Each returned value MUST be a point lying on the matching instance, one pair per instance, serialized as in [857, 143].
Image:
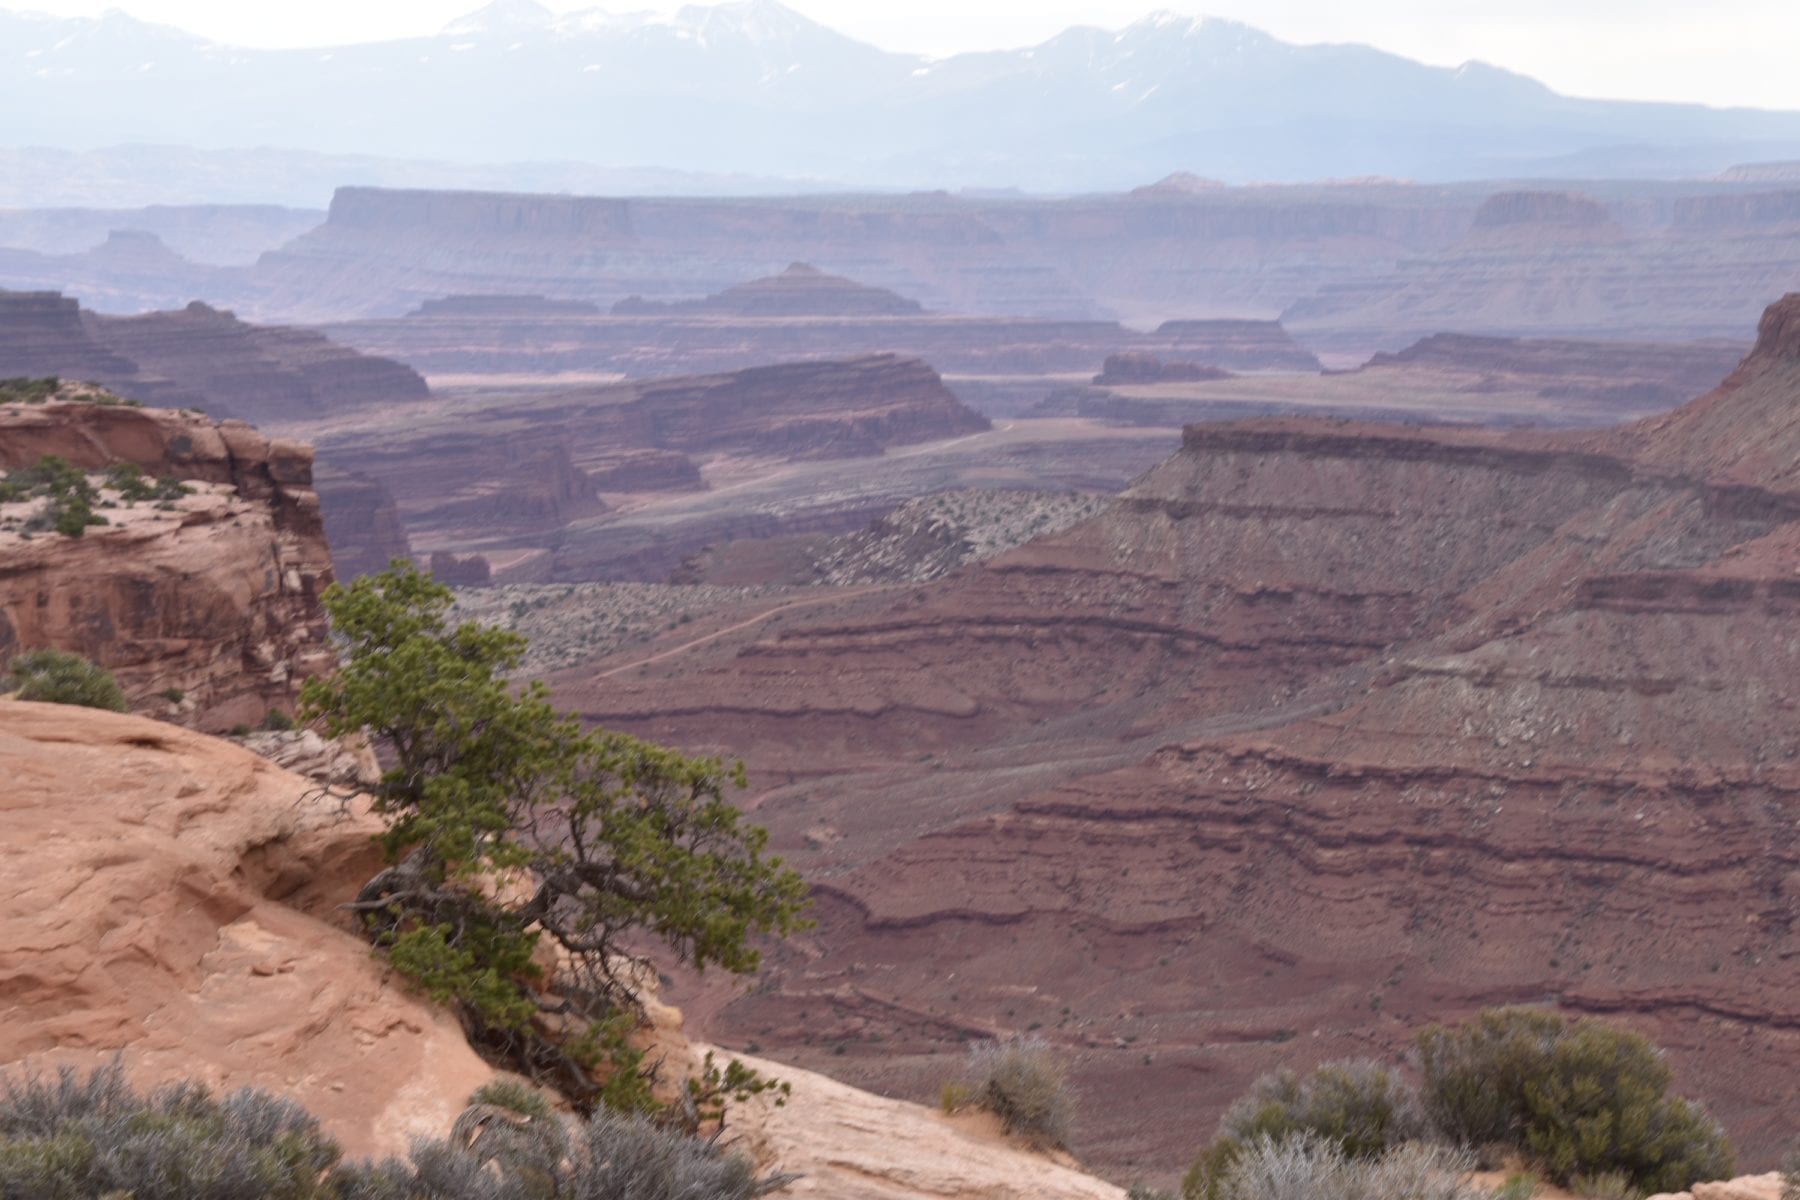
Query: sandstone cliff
[215, 596]
[1323, 732]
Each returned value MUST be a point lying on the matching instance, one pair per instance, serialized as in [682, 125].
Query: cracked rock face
[214, 598]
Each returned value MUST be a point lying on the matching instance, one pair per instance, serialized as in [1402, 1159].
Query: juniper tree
[512, 830]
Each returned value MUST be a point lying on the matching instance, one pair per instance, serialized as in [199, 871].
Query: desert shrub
[1520, 1185]
[21, 389]
[54, 677]
[1024, 1083]
[1308, 1167]
[127, 479]
[276, 721]
[610, 1156]
[1607, 1185]
[70, 1138]
[1361, 1107]
[70, 497]
[1584, 1099]
[75, 1138]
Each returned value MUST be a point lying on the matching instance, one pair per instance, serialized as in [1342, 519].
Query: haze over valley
[1216, 554]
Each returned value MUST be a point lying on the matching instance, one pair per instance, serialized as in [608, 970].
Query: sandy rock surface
[850, 1144]
[156, 885]
[1744, 1187]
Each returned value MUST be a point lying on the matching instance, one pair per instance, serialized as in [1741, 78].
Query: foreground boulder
[168, 900]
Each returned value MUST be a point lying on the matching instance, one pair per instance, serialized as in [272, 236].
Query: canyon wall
[526, 464]
[1324, 732]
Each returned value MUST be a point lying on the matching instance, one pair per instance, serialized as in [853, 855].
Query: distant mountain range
[754, 89]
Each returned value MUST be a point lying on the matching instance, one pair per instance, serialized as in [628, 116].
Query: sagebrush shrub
[1582, 1099]
[1024, 1083]
[1357, 1105]
[73, 1139]
[1309, 1167]
[70, 1138]
[54, 677]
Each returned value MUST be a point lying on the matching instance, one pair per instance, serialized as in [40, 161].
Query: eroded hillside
[1322, 732]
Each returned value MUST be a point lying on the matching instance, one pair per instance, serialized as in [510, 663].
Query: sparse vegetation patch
[56, 677]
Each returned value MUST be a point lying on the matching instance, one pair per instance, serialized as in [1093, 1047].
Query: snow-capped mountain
[753, 86]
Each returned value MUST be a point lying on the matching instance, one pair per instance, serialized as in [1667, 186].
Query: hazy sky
[1716, 52]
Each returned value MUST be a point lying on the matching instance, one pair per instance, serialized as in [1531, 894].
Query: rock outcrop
[170, 899]
[1230, 251]
[215, 597]
[1323, 732]
[1744, 1187]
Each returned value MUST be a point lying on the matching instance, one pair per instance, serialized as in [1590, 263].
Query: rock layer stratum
[1324, 732]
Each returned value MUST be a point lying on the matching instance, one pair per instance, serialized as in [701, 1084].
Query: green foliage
[276, 721]
[708, 1092]
[1024, 1083]
[55, 677]
[132, 485]
[1358, 1106]
[70, 507]
[510, 827]
[1581, 1100]
[1520, 1185]
[22, 389]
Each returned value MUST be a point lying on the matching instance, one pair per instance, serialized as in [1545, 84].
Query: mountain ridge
[755, 87]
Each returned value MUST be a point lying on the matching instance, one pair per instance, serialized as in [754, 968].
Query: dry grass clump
[1024, 1083]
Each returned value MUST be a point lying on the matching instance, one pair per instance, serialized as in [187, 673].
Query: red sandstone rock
[169, 900]
[218, 599]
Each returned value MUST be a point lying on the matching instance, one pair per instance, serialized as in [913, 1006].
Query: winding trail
[759, 618]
